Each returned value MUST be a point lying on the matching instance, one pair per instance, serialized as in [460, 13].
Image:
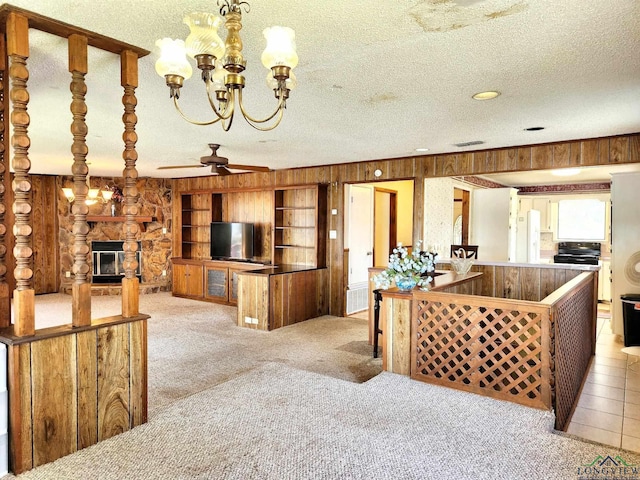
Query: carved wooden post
[81, 290]
[5, 298]
[24, 294]
[130, 283]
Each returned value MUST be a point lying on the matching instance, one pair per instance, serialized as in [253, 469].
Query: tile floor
[608, 410]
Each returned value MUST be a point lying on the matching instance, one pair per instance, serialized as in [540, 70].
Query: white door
[360, 233]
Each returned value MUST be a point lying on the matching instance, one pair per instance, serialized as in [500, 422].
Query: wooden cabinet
[290, 228]
[217, 283]
[273, 297]
[299, 227]
[187, 280]
[233, 285]
[211, 280]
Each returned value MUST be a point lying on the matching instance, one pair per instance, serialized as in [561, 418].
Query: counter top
[564, 266]
[278, 269]
[441, 279]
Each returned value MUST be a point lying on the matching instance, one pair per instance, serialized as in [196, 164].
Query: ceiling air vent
[469, 144]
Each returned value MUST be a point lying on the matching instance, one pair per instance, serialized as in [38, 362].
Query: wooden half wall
[578, 153]
[71, 388]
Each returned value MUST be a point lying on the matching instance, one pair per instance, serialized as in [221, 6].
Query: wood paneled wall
[297, 297]
[284, 299]
[252, 207]
[44, 219]
[70, 390]
[600, 151]
[533, 282]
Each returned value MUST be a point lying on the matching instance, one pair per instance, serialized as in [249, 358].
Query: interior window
[581, 220]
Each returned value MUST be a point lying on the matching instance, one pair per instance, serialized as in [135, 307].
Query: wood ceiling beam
[64, 30]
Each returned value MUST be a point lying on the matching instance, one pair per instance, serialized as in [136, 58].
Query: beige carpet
[256, 405]
[196, 345]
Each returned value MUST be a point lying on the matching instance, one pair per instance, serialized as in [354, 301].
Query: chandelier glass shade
[222, 63]
[93, 195]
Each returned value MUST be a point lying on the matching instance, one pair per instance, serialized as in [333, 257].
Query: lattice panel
[573, 327]
[484, 349]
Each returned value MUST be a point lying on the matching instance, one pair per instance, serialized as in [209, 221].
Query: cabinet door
[542, 205]
[180, 279]
[194, 280]
[217, 283]
[233, 286]
[605, 281]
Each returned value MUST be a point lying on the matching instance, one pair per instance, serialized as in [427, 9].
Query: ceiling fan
[219, 165]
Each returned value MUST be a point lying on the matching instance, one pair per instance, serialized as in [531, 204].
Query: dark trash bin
[631, 316]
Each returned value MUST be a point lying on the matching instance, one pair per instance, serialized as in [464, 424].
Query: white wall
[493, 216]
[438, 214]
[625, 248]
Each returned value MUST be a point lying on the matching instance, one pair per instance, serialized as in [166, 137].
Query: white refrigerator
[528, 237]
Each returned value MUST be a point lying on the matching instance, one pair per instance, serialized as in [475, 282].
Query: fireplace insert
[108, 257]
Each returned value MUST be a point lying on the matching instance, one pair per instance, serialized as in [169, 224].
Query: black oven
[581, 253]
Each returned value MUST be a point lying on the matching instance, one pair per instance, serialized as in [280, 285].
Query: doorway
[378, 217]
[460, 216]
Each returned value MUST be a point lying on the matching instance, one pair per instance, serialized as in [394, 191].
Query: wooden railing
[532, 353]
[573, 320]
[495, 347]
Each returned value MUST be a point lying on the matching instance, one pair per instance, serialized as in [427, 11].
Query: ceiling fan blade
[253, 168]
[168, 167]
[220, 170]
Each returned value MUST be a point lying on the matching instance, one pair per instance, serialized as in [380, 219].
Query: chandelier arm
[231, 105]
[250, 119]
[219, 113]
[280, 113]
[194, 122]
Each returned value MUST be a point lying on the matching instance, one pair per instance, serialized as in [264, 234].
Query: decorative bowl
[461, 265]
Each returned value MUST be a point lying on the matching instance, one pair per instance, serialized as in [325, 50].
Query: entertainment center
[287, 229]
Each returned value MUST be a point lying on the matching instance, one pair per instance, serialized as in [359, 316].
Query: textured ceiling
[376, 80]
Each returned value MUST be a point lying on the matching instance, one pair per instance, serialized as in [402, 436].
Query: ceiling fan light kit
[221, 64]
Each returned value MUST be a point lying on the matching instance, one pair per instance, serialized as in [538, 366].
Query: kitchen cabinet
[543, 205]
[604, 281]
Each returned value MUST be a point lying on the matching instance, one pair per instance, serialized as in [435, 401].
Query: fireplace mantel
[119, 218]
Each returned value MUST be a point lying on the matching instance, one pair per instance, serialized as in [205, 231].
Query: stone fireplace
[108, 257]
[154, 238]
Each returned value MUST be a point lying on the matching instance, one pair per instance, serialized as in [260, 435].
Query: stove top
[583, 253]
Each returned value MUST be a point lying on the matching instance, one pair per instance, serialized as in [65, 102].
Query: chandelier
[222, 64]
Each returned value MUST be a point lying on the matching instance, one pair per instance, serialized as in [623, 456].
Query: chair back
[471, 251]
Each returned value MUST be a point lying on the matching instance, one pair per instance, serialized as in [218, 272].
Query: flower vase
[113, 209]
[406, 283]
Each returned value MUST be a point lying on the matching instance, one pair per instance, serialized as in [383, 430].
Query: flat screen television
[231, 240]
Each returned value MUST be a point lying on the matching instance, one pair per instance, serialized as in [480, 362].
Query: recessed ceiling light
[534, 129]
[488, 95]
[422, 149]
[565, 172]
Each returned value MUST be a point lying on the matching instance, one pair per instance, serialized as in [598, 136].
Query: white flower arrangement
[418, 264]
